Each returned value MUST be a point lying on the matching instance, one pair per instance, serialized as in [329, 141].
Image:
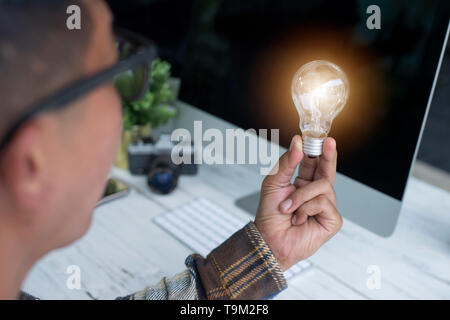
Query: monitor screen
[237, 58]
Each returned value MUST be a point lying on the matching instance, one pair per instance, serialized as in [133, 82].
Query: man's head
[54, 169]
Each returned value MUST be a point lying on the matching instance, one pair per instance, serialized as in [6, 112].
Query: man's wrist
[243, 267]
[266, 238]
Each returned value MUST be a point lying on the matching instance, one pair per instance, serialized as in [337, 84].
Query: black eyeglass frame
[63, 97]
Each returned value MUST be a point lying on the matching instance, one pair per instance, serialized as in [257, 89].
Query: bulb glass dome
[320, 91]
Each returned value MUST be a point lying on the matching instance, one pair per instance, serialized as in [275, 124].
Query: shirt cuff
[243, 267]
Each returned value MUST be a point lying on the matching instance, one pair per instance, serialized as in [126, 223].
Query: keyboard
[202, 225]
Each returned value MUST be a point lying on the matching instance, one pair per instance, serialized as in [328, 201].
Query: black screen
[241, 58]
[237, 58]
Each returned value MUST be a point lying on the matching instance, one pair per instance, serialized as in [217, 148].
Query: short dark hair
[38, 53]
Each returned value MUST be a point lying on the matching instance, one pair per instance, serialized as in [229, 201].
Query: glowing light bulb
[320, 90]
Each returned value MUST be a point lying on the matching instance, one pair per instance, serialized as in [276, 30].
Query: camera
[153, 158]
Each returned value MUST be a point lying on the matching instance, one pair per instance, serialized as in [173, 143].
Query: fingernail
[291, 145]
[332, 143]
[296, 142]
[294, 219]
[286, 204]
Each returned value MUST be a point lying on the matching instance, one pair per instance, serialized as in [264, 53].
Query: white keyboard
[202, 225]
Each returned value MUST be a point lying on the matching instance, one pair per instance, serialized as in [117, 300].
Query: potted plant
[151, 111]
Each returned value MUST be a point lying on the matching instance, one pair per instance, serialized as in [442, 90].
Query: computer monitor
[240, 59]
[236, 60]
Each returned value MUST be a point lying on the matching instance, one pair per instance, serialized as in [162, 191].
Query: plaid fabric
[180, 287]
[243, 267]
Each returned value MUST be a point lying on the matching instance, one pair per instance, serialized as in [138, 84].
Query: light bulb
[320, 90]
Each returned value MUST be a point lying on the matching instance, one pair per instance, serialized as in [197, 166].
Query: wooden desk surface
[124, 250]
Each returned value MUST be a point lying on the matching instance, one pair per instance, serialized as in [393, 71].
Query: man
[54, 165]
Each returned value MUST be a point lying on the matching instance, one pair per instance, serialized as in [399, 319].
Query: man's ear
[24, 169]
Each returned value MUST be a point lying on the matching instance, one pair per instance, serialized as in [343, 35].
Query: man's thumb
[283, 171]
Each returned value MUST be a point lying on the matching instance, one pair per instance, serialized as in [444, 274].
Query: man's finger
[306, 193]
[307, 168]
[326, 168]
[318, 168]
[282, 173]
[299, 218]
[324, 211]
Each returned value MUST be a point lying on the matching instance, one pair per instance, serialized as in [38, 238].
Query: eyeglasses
[131, 76]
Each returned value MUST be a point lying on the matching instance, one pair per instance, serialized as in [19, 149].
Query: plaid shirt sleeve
[243, 267]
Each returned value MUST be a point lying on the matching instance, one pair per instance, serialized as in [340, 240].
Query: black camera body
[147, 157]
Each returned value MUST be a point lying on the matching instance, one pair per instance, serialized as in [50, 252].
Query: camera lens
[162, 180]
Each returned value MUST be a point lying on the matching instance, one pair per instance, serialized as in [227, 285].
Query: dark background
[236, 60]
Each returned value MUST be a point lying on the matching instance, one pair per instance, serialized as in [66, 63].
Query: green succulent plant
[154, 106]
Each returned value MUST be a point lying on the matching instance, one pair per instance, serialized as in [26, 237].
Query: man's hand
[296, 219]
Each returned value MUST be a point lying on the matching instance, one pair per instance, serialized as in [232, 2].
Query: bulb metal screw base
[312, 147]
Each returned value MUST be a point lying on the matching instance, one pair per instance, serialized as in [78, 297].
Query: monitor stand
[249, 203]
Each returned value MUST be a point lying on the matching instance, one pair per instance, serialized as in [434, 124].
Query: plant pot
[128, 137]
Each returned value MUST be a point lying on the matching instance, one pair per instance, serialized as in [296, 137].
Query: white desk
[124, 250]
